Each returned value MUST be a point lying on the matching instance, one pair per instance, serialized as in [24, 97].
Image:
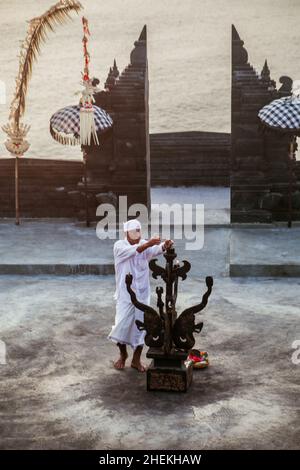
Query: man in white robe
[132, 255]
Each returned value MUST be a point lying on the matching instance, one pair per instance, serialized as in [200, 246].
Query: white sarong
[128, 260]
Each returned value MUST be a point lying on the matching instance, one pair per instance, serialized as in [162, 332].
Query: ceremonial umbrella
[77, 124]
[30, 49]
[65, 125]
[283, 116]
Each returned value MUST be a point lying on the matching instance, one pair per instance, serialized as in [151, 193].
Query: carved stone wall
[48, 188]
[122, 164]
[259, 161]
[190, 158]
[54, 188]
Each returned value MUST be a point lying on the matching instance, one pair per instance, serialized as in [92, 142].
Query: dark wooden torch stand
[169, 337]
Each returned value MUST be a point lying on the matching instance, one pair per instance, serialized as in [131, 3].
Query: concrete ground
[58, 388]
[269, 251]
[262, 246]
[69, 247]
[60, 391]
[216, 200]
[64, 246]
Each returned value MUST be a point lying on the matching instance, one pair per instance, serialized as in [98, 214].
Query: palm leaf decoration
[30, 49]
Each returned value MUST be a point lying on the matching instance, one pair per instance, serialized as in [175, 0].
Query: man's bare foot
[138, 366]
[120, 363]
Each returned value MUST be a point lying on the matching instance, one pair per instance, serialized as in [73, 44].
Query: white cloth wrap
[132, 225]
[128, 260]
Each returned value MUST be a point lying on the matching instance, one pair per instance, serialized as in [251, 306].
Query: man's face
[134, 236]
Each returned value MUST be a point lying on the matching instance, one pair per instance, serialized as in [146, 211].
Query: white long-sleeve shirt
[129, 260]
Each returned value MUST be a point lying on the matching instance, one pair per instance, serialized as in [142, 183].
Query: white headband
[132, 225]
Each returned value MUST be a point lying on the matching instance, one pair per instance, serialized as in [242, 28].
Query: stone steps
[197, 158]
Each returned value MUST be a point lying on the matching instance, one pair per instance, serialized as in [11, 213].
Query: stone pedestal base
[169, 373]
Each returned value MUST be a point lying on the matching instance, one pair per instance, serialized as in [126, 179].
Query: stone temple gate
[122, 164]
[259, 162]
[130, 160]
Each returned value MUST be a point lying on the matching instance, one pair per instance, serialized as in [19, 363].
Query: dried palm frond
[36, 35]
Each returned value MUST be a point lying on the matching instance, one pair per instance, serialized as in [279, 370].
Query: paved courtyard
[58, 388]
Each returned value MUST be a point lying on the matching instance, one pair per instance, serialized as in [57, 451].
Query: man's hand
[168, 244]
[151, 242]
[154, 241]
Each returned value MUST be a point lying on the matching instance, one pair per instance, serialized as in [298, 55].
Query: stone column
[259, 160]
[249, 182]
[122, 164]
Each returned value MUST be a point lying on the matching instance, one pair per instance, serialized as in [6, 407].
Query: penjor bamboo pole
[85, 188]
[17, 190]
[291, 152]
